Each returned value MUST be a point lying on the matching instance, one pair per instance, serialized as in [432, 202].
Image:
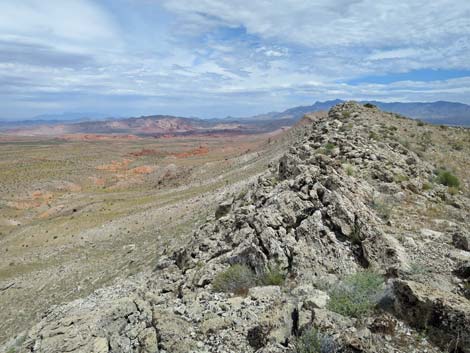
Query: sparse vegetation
[313, 341]
[356, 234]
[457, 146]
[427, 186]
[418, 270]
[357, 295]
[425, 140]
[327, 148]
[272, 277]
[374, 136]
[446, 178]
[238, 278]
[420, 123]
[398, 178]
[346, 114]
[349, 169]
[383, 209]
[369, 105]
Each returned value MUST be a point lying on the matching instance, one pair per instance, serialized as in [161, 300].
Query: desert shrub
[398, 178]
[236, 279]
[326, 149]
[346, 114]
[349, 169]
[374, 136]
[356, 234]
[357, 295]
[427, 186]
[242, 194]
[273, 276]
[329, 147]
[383, 209]
[312, 341]
[446, 178]
[425, 140]
[405, 143]
[420, 123]
[369, 105]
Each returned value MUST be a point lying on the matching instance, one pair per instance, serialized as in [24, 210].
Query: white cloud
[73, 24]
[249, 56]
[335, 22]
[394, 54]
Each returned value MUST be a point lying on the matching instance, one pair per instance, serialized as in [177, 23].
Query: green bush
[236, 279]
[326, 149]
[369, 105]
[382, 208]
[272, 277]
[446, 178]
[349, 169]
[427, 186]
[357, 295]
[239, 278]
[420, 123]
[398, 178]
[329, 147]
[374, 136]
[312, 341]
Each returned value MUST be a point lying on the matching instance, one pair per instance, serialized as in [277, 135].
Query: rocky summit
[355, 240]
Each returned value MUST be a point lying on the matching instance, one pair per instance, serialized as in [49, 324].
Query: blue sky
[213, 58]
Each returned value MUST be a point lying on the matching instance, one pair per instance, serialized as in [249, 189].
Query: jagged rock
[313, 220]
[461, 241]
[224, 208]
[258, 336]
[310, 297]
[385, 324]
[463, 270]
[100, 345]
[444, 315]
[99, 324]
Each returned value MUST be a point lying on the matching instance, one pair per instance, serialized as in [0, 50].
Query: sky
[214, 58]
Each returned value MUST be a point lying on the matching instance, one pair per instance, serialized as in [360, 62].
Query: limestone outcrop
[321, 213]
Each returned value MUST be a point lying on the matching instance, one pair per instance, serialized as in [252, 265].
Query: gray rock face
[310, 217]
[461, 241]
[444, 315]
[98, 324]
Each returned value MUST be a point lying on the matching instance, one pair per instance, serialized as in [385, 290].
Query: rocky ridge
[317, 215]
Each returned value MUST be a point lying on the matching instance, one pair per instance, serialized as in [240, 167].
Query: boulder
[461, 241]
[223, 208]
[443, 315]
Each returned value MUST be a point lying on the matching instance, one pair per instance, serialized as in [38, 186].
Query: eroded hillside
[356, 240]
[74, 215]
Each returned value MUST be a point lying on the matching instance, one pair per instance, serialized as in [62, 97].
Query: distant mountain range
[155, 125]
[441, 112]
